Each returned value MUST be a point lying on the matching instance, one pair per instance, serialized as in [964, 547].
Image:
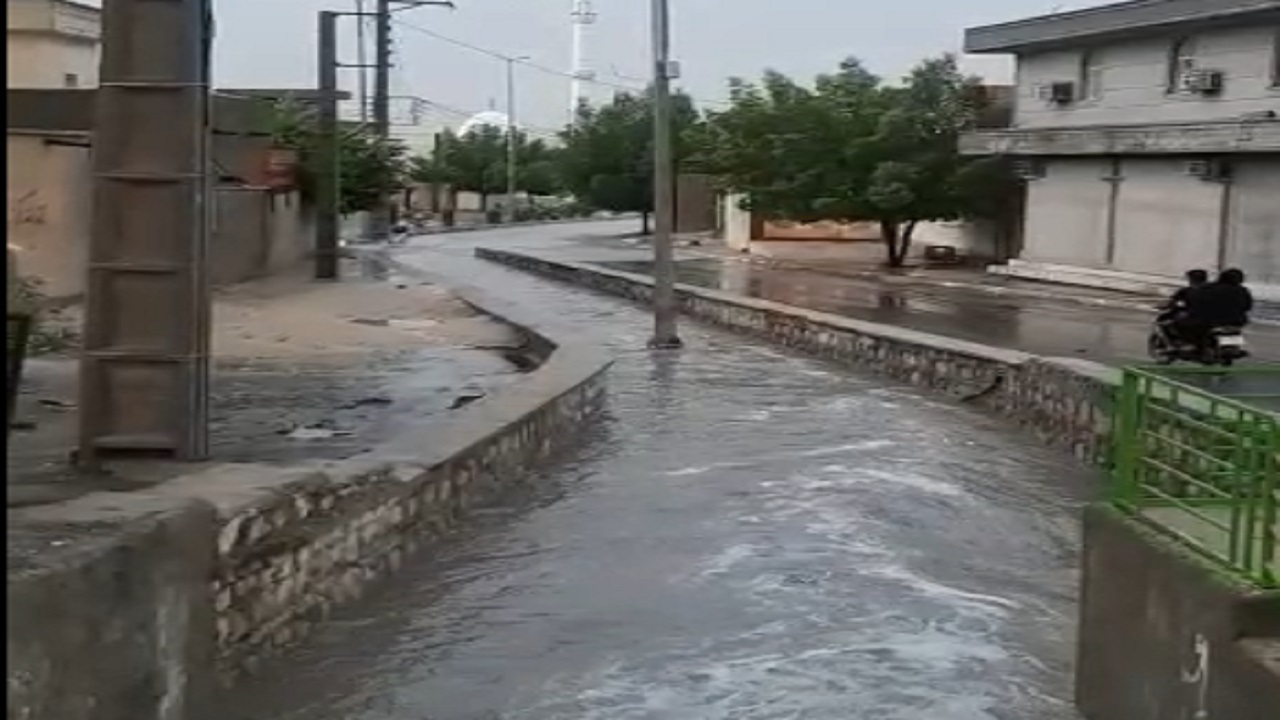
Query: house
[1149, 133]
[53, 44]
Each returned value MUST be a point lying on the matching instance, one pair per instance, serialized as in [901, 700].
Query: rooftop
[1134, 18]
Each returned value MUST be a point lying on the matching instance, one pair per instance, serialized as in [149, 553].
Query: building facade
[53, 44]
[1149, 133]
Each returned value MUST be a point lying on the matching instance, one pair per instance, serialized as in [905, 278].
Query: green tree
[607, 156]
[851, 148]
[368, 167]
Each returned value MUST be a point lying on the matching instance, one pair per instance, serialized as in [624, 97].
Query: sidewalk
[302, 370]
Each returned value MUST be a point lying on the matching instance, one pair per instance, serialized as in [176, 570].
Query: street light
[664, 293]
[509, 211]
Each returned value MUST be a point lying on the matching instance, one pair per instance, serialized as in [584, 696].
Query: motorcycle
[1225, 345]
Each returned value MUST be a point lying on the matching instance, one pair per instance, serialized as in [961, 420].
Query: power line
[529, 63]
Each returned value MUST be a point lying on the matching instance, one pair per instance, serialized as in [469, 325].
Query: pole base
[668, 343]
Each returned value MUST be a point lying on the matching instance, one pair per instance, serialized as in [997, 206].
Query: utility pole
[327, 190]
[144, 384]
[664, 294]
[381, 217]
[362, 59]
[510, 210]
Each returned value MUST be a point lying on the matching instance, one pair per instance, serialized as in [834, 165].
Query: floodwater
[747, 535]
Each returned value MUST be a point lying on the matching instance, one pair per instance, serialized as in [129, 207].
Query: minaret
[583, 15]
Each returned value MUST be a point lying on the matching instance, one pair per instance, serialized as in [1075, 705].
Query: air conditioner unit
[1209, 170]
[1028, 169]
[1062, 93]
[1203, 82]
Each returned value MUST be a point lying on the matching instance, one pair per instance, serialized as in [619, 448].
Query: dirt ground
[302, 370]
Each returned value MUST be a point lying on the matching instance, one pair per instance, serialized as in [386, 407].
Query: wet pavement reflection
[1039, 326]
[748, 534]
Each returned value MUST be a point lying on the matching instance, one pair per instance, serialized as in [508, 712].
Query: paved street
[751, 534]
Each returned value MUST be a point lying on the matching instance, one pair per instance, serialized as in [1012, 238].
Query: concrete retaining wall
[1065, 401]
[1162, 635]
[206, 576]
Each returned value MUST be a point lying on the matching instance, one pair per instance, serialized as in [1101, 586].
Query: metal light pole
[664, 294]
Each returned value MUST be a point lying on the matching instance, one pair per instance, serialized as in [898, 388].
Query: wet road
[749, 535]
[1040, 326]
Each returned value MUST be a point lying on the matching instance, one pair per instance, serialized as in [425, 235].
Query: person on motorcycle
[1225, 302]
[1173, 314]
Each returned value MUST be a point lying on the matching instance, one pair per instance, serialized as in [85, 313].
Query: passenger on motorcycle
[1225, 302]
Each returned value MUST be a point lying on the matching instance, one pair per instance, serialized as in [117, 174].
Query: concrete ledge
[1261, 136]
[108, 609]
[271, 550]
[1164, 635]
[1065, 401]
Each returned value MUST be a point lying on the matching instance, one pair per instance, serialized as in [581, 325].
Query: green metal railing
[1197, 456]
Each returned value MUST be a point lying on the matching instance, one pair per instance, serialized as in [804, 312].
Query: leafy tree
[368, 167]
[851, 148]
[607, 158]
[476, 161]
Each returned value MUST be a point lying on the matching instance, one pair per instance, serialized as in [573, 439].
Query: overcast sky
[271, 43]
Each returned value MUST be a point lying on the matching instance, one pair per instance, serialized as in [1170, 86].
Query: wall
[1167, 222]
[1134, 80]
[1067, 213]
[1065, 401]
[108, 611]
[1254, 240]
[48, 201]
[1145, 604]
[48, 41]
[695, 204]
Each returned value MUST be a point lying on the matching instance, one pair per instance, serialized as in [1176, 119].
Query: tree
[476, 161]
[851, 148]
[607, 158]
[369, 167]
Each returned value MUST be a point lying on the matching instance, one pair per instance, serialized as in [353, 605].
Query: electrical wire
[531, 64]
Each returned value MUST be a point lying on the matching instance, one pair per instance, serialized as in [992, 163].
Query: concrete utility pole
[381, 216]
[328, 194]
[144, 383]
[509, 212]
[664, 295]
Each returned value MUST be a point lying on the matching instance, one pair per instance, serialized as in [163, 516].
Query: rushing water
[748, 535]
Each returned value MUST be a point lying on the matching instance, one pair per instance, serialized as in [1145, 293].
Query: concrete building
[1149, 133]
[53, 44]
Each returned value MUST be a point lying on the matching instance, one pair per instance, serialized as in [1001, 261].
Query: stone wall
[145, 614]
[1065, 401]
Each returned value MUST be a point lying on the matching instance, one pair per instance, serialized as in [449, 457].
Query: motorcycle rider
[1173, 314]
[1225, 302]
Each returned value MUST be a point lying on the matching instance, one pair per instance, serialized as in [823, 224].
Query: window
[1091, 74]
[70, 80]
[1182, 59]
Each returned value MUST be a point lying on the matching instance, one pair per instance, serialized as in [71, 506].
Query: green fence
[1197, 456]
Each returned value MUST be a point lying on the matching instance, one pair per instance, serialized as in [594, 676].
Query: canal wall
[1065, 401]
[1163, 635]
[127, 606]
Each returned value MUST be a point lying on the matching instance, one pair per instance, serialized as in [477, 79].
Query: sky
[271, 43]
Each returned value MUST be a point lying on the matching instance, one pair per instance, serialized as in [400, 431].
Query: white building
[53, 44]
[1149, 132]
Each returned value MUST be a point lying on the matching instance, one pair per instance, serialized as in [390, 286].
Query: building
[53, 44]
[1149, 134]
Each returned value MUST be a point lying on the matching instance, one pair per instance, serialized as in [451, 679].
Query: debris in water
[465, 400]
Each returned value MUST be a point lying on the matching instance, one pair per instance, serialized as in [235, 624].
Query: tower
[583, 14]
